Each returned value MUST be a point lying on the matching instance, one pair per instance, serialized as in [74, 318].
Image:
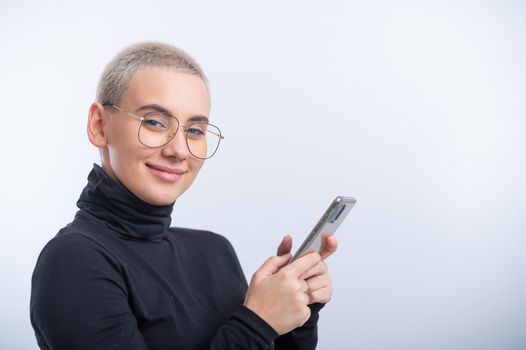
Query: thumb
[285, 246]
[272, 265]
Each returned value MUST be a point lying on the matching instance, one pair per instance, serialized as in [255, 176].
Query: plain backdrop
[416, 108]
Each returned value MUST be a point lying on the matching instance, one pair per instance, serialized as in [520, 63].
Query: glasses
[158, 128]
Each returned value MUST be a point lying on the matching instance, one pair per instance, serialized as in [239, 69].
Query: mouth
[166, 173]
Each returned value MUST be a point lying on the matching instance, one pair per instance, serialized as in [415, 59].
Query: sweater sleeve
[78, 299]
[244, 330]
[304, 337]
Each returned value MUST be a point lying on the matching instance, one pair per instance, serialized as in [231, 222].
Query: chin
[159, 200]
[162, 197]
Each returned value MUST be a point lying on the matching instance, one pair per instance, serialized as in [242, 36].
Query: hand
[319, 282]
[278, 295]
[318, 277]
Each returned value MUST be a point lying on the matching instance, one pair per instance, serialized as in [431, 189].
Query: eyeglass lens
[158, 129]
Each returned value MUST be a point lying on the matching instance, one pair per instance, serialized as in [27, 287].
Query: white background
[416, 108]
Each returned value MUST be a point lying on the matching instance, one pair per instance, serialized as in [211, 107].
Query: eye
[196, 130]
[156, 122]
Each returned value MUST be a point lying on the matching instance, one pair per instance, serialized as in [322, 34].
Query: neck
[106, 199]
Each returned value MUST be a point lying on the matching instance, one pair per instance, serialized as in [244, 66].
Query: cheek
[122, 141]
[195, 165]
[124, 156]
[126, 152]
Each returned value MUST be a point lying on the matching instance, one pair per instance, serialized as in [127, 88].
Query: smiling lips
[165, 173]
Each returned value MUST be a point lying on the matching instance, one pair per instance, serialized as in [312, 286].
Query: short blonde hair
[117, 74]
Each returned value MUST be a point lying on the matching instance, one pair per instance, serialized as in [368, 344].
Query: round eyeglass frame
[219, 135]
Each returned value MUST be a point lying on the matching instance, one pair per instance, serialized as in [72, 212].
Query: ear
[96, 128]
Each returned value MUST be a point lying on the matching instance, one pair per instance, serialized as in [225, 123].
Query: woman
[119, 277]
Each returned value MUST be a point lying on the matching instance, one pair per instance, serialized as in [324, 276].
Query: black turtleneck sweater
[118, 277]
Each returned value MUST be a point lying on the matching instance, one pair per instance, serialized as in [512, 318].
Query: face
[156, 175]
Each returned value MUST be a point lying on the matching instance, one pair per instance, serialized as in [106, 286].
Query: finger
[322, 295]
[302, 264]
[318, 269]
[303, 287]
[318, 282]
[272, 265]
[329, 247]
[285, 246]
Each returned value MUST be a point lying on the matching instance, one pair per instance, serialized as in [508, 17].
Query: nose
[177, 147]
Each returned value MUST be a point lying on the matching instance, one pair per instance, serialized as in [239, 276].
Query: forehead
[179, 92]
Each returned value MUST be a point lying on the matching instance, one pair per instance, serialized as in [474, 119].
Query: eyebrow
[161, 109]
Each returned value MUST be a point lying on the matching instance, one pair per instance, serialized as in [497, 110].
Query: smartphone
[327, 225]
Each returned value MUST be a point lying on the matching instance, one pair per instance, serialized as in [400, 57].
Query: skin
[318, 277]
[124, 158]
[278, 293]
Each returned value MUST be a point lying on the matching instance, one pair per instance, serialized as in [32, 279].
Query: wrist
[257, 322]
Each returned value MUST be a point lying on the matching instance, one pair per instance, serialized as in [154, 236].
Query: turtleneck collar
[121, 210]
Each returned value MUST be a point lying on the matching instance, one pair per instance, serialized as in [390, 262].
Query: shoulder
[199, 235]
[67, 242]
[211, 252]
[73, 265]
[202, 238]
[71, 250]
